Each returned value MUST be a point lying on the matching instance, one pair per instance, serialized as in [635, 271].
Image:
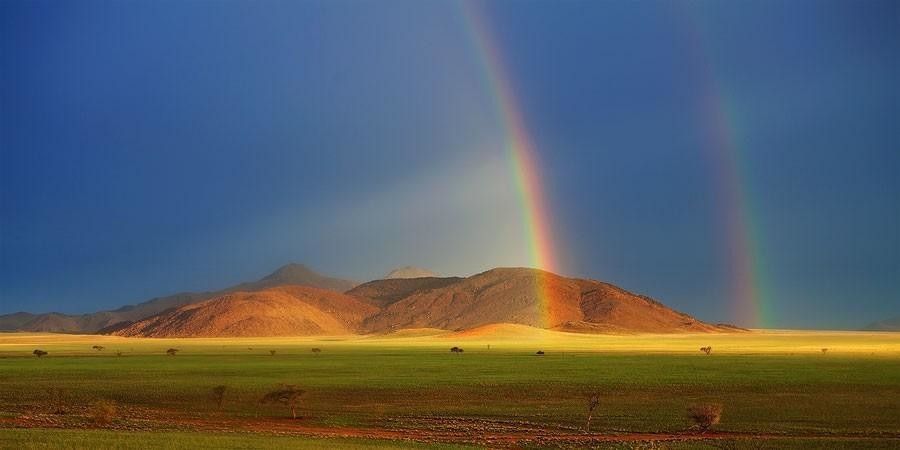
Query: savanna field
[775, 390]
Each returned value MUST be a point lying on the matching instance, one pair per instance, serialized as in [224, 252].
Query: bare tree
[218, 394]
[286, 394]
[98, 347]
[706, 350]
[272, 352]
[317, 351]
[56, 399]
[172, 351]
[593, 403]
[39, 353]
[705, 415]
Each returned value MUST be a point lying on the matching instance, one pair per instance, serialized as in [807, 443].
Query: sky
[698, 152]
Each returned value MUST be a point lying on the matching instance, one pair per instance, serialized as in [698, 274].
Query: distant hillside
[290, 274]
[885, 325]
[385, 292]
[526, 297]
[279, 311]
[410, 272]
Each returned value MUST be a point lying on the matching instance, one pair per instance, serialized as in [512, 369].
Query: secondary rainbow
[521, 153]
[723, 142]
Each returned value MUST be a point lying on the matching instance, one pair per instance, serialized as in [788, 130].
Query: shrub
[706, 350]
[98, 347]
[172, 351]
[824, 350]
[317, 350]
[287, 394]
[103, 411]
[456, 350]
[118, 353]
[705, 415]
[39, 353]
[272, 352]
[540, 353]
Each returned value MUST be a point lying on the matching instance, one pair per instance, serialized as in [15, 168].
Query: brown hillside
[516, 296]
[281, 311]
[384, 292]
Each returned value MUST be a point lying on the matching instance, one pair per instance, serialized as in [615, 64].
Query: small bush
[317, 350]
[456, 350]
[103, 411]
[706, 350]
[98, 347]
[39, 353]
[118, 353]
[172, 351]
[272, 352]
[540, 353]
[705, 415]
[824, 350]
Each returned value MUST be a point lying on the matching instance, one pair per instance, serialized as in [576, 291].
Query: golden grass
[504, 336]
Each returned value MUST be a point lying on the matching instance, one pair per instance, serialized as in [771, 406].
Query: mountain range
[296, 301]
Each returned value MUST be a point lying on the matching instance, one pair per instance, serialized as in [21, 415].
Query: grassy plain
[778, 390]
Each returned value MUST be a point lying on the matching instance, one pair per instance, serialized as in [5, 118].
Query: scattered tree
[172, 351]
[456, 350]
[218, 394]
[39, 353]
[540, 353]
[317, 351]
[824, 350]
[706, 350]
[272, 352]
[103, 411]
[286, 394]
[593, 403]
[98, 347]
[705, 415]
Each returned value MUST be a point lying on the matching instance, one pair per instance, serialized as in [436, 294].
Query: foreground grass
[99, 440]
[776, 384]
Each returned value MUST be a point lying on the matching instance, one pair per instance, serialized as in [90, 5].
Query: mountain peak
[290, 271]
[409, 272]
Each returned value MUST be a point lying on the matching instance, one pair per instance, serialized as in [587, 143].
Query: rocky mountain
[290, 274]
[522, 296]
[514, 296]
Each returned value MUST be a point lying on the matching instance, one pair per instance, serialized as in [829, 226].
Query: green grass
[381, 384]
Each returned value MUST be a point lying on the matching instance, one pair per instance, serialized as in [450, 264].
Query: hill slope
[526, 297]
[290, 274]
[885, 325]
[280, 311]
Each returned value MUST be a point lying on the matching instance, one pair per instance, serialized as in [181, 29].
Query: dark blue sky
[154, 147]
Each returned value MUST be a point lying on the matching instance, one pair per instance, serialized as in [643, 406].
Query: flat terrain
[777, 389]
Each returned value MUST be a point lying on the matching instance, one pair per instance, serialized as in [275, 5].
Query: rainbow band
[522, 157]
[749, 305]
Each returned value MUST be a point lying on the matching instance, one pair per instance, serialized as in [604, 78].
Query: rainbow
[742, 244]
[522, 157]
